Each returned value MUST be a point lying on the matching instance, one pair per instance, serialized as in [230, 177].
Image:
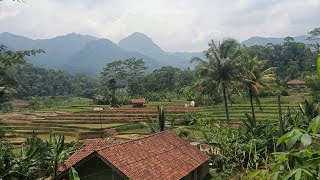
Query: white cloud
[180, 25]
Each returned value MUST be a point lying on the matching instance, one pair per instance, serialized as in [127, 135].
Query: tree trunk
[251, 102]
[55, 168]
[280, 119]
[161, 119]
[226, 102]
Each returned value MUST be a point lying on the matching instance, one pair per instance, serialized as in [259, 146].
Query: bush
[268, 93]
[130, 127]
[284, 93]
[206, 100]
[123, 97]
[35, 103]
[151, 96]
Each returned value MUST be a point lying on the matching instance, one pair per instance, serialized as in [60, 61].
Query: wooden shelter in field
[138, 102]
[160, 156]
[296, 84]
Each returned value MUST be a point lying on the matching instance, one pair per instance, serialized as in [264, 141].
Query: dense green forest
[292, 60]
[37, 81]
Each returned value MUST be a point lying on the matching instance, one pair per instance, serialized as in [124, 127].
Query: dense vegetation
[230, 73]
[132, 78]
[35, 81]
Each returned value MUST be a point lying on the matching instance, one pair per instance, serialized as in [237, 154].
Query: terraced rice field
[237, 112]
[117, 122]
[121, 122]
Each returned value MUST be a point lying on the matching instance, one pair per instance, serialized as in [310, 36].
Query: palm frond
[198, 60]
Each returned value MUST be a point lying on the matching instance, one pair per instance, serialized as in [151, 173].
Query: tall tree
[127, 73]
[315, 35]
[256, 78]
[162, 80]
[8, 58]
[221, 66]
[135, 70]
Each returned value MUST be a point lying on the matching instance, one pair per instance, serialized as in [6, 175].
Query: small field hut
[138, 102]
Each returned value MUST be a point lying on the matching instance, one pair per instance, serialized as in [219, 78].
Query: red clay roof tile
[89, 147]
[159, 156]
[296, 81]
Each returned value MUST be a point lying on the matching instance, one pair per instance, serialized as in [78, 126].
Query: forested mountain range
[87, 54]
[273, 40]
[77, 53]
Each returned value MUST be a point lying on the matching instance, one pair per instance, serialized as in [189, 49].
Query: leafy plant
[73, 174]
[301, 159]
[57, 150]
[309, 109]
[156, 125]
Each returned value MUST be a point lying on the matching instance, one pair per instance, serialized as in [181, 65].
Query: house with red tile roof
[160, 156]
[296, 83]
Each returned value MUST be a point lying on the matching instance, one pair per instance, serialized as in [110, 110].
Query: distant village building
[138, 102]
[97, 99]
[296, 84]
[160, 156]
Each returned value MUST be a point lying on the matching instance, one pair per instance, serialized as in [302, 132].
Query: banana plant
[302, 158]
[6, 157]
[25, 165]
[58, 150]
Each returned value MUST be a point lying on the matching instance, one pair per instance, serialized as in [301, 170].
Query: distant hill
[139, 42]
[94, 56]
[58, 50]
[264, 41]
[87, 54]
[78, 53]
[142, 44]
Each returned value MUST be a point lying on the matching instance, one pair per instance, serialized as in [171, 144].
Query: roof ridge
[151, 135]
[175, 147]
[186, 144]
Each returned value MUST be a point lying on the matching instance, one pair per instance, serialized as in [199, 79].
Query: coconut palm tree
[256, 79]
[221, 66]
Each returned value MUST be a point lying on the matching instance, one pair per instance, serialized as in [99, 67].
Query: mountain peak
[76, 36]
[141, 43]
[138, 35]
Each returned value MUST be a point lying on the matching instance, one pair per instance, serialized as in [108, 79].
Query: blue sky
[175, 25]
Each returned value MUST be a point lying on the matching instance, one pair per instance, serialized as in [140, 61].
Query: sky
[175, 25]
